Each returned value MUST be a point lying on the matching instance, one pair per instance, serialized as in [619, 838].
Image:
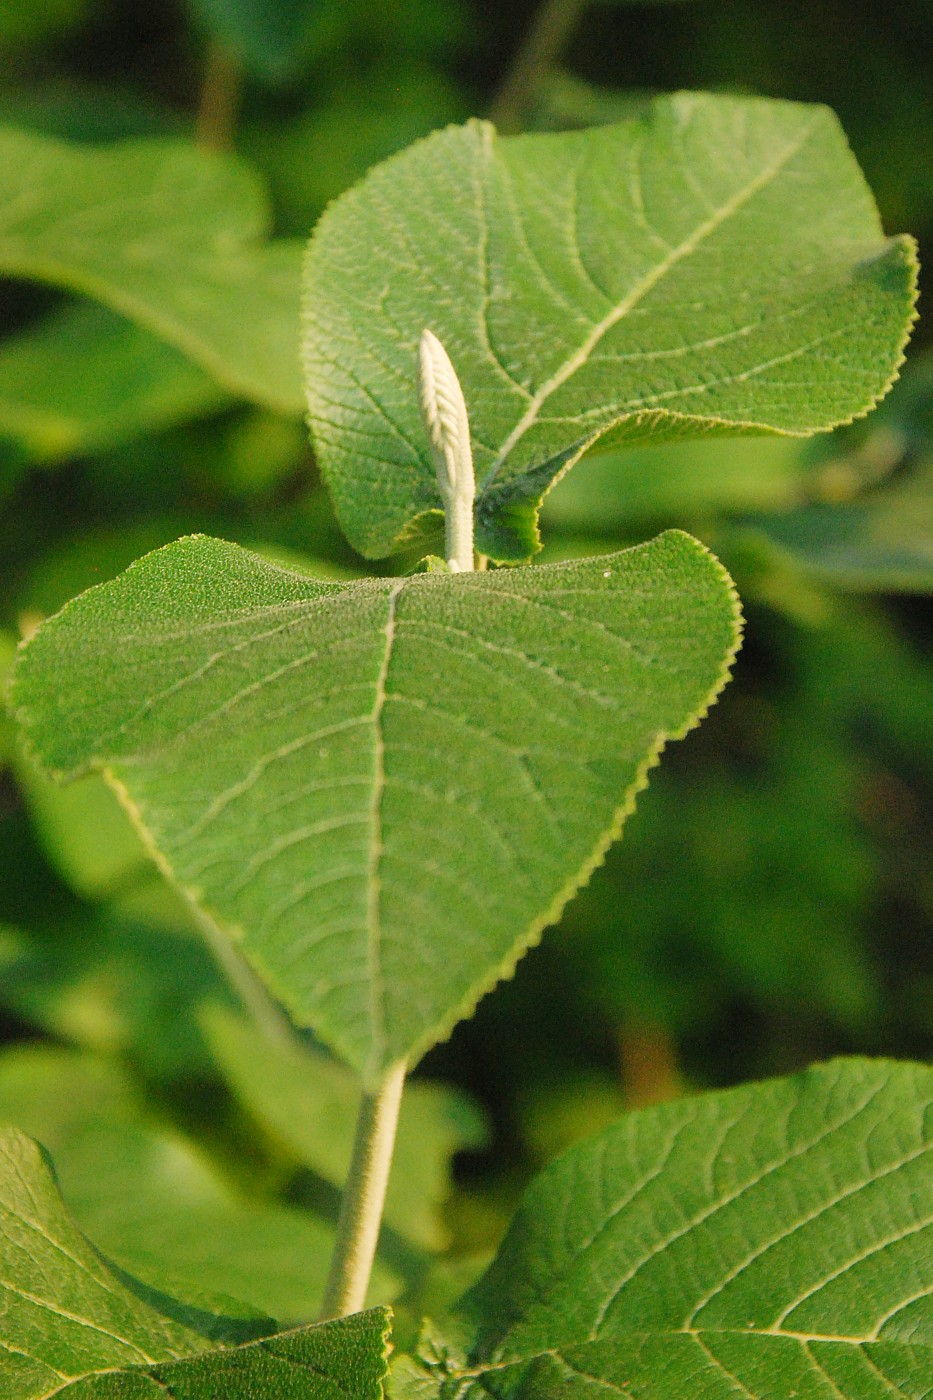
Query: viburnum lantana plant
[379, 793]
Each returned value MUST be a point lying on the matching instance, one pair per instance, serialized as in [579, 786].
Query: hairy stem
[544, 44]
[220, 99]
[363, 1198]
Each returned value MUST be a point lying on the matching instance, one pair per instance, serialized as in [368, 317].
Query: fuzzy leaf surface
[772, 1240]
[65, 1311]
[167, 235]
[384, 789]
[331, 1361]
[715, 266]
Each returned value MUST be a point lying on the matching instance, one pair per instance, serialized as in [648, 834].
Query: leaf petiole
[364, 1197]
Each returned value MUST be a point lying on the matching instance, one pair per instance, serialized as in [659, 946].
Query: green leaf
[329, 1362]
[612, 491]
[309, 1104]
[273, 40]
[85, 379]
[384, 789]
[152, 1199]
[718, 266]
[769, 1241]
[115, 983]
[66, 1312]
[72, 1326]
[882, 540]
[37, 21]
[84, 831]
[167, 235]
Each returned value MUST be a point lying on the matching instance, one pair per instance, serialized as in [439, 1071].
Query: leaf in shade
[85, 379]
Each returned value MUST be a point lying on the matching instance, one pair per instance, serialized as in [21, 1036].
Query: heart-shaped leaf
[717, 266]
[384, 789]
[167, 235]
[767, 1242]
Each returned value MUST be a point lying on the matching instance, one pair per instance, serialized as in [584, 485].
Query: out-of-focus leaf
[172, 237]
[31, 22]
[563, 101]
[86, 379]
[611, 492]
[622, 284]
[7, 727]
[85, 832]
[273, 38]
[883, 540]
[74, 109]
[125, 981]
[317, 814]
[309, 1103]
[368, 116]
[153, 1201]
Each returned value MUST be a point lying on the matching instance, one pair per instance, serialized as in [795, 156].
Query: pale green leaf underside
[385, 789]
[767, 1242]
[167, 235]
[716, 266]
[85, 379]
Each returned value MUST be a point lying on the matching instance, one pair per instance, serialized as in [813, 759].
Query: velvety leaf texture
[333, 1361]
[384, 789]
[715, 266]
[71, 1326]
[65, 1312]
[767, 1242]
[167, 235]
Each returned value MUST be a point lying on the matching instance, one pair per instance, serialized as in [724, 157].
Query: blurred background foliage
[771, 903]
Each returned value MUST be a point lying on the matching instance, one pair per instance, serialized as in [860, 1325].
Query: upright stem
[363, 1198]
[544, 43]
[220, 99]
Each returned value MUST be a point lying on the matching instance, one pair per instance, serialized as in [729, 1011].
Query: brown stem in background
[544, 43]
[649, 1063]
[221, 92]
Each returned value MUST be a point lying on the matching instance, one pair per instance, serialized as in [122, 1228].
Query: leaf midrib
[373, 876]
[804, 1338]
[636, 294]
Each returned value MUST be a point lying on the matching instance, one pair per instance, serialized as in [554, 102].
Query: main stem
[364, 1198]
